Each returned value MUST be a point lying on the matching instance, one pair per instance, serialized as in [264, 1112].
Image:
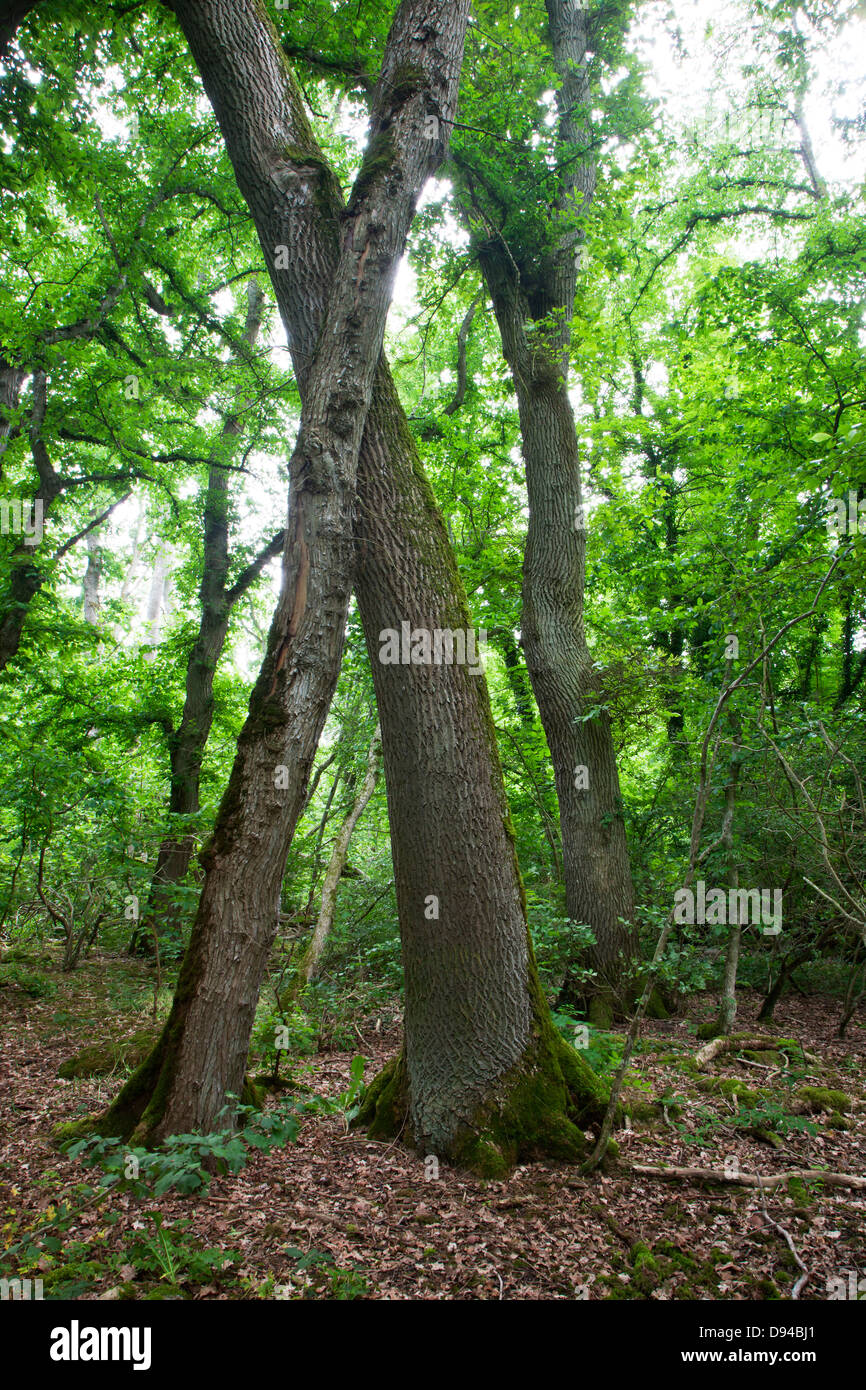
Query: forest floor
[370, 1221]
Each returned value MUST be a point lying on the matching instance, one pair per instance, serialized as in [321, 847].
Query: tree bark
[92, 579]
[483, 1078]
[26, 577]
[567, 689]
[11, 381]
[201, 1055]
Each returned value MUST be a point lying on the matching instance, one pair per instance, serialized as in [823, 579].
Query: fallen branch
[750, 1179]
[756, 1042]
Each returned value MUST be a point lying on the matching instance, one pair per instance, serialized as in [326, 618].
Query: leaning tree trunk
[200, 1056]
[483, 1076]
[596, 867]
[598, 884]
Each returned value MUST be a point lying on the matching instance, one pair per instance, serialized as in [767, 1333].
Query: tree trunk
[11, 381]
[309, 967]
[516, 675]
[483, 1077]
[534, 315]
[596, 868]
[201, 1054]
[27, 578]
[92, 579]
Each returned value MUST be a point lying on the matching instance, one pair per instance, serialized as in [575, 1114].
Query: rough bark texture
[484, 1078]
[596, 864]
[11, 381]
[201, 1055]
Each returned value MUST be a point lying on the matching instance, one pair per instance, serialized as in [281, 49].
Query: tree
[309, 966]
[484, 1076]
[530, 265]
[201, 1055]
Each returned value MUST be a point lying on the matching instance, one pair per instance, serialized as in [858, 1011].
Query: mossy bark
[539, 1108]
[484, 1078]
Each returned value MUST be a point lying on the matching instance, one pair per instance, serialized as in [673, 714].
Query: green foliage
[602, 1050]
[703, 1126]
[169, 1254]
[716, 365]
[328, 1279]
[186, 1161]
[559, 944]
[31, 982]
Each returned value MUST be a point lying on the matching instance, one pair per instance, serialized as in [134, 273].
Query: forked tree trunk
[201, 1055]
[483, 1078]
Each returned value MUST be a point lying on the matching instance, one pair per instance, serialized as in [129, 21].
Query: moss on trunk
[539, 1109]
